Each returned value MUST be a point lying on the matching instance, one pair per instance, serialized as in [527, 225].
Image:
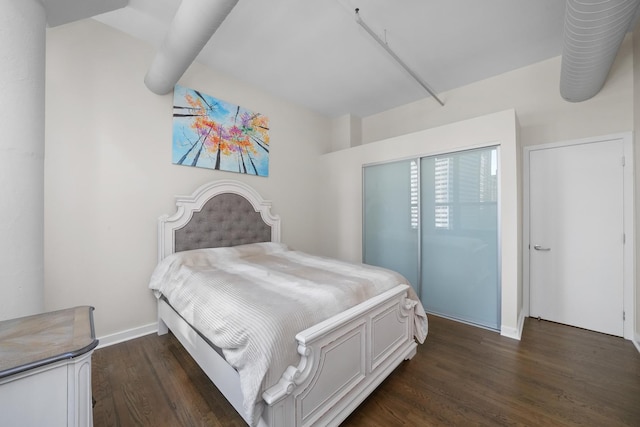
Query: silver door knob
[540, 248]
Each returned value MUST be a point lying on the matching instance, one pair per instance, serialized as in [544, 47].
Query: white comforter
[252, 300]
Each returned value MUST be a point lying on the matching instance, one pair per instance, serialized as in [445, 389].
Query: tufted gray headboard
[225, 220]
[221, 213]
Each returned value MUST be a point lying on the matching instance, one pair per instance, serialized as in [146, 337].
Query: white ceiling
[314, 53]
[61, 12]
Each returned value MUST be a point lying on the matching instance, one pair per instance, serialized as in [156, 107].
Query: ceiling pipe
[394, 56]
[593, 33]
[191, 28]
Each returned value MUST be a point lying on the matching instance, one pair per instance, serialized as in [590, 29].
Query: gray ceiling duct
[593, 32]
[191, 28]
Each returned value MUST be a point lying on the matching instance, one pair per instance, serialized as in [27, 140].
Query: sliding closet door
[390, 218]
[459, 228]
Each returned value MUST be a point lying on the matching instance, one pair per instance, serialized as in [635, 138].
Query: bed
[320, 373]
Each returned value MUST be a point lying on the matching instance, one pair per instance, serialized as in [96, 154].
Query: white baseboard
[127, 335]
[514, 333]
[636, 342]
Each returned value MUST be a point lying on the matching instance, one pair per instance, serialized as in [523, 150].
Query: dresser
[45, 369]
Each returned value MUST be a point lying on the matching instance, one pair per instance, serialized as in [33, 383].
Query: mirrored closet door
[435, 220]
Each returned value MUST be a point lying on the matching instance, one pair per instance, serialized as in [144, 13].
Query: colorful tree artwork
[211, 133]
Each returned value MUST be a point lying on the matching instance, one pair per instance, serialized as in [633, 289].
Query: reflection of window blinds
[442, 181]
[414, 195]
[460, 181]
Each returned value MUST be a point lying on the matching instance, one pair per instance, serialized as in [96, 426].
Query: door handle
[540, 248]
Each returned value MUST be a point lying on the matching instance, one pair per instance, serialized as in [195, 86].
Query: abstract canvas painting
[211, 133]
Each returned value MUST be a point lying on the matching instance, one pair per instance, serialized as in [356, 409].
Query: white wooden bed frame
[342, 359]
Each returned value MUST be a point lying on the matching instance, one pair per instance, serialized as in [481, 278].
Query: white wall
[108, 171]
[534, 93]
[346, 132]
[342, 198]
[22, 44]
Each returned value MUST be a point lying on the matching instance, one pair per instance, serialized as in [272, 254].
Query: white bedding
[251, 301]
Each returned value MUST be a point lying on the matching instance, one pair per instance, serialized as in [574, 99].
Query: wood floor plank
[462, 375]
[141, 399]
[102, 391]
[176, 383]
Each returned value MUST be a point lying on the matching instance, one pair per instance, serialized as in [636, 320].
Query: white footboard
[343, 360]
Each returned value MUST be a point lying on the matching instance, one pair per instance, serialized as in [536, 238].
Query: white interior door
[576, 254]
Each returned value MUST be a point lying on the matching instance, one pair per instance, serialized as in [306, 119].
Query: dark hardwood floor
[461, 376]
